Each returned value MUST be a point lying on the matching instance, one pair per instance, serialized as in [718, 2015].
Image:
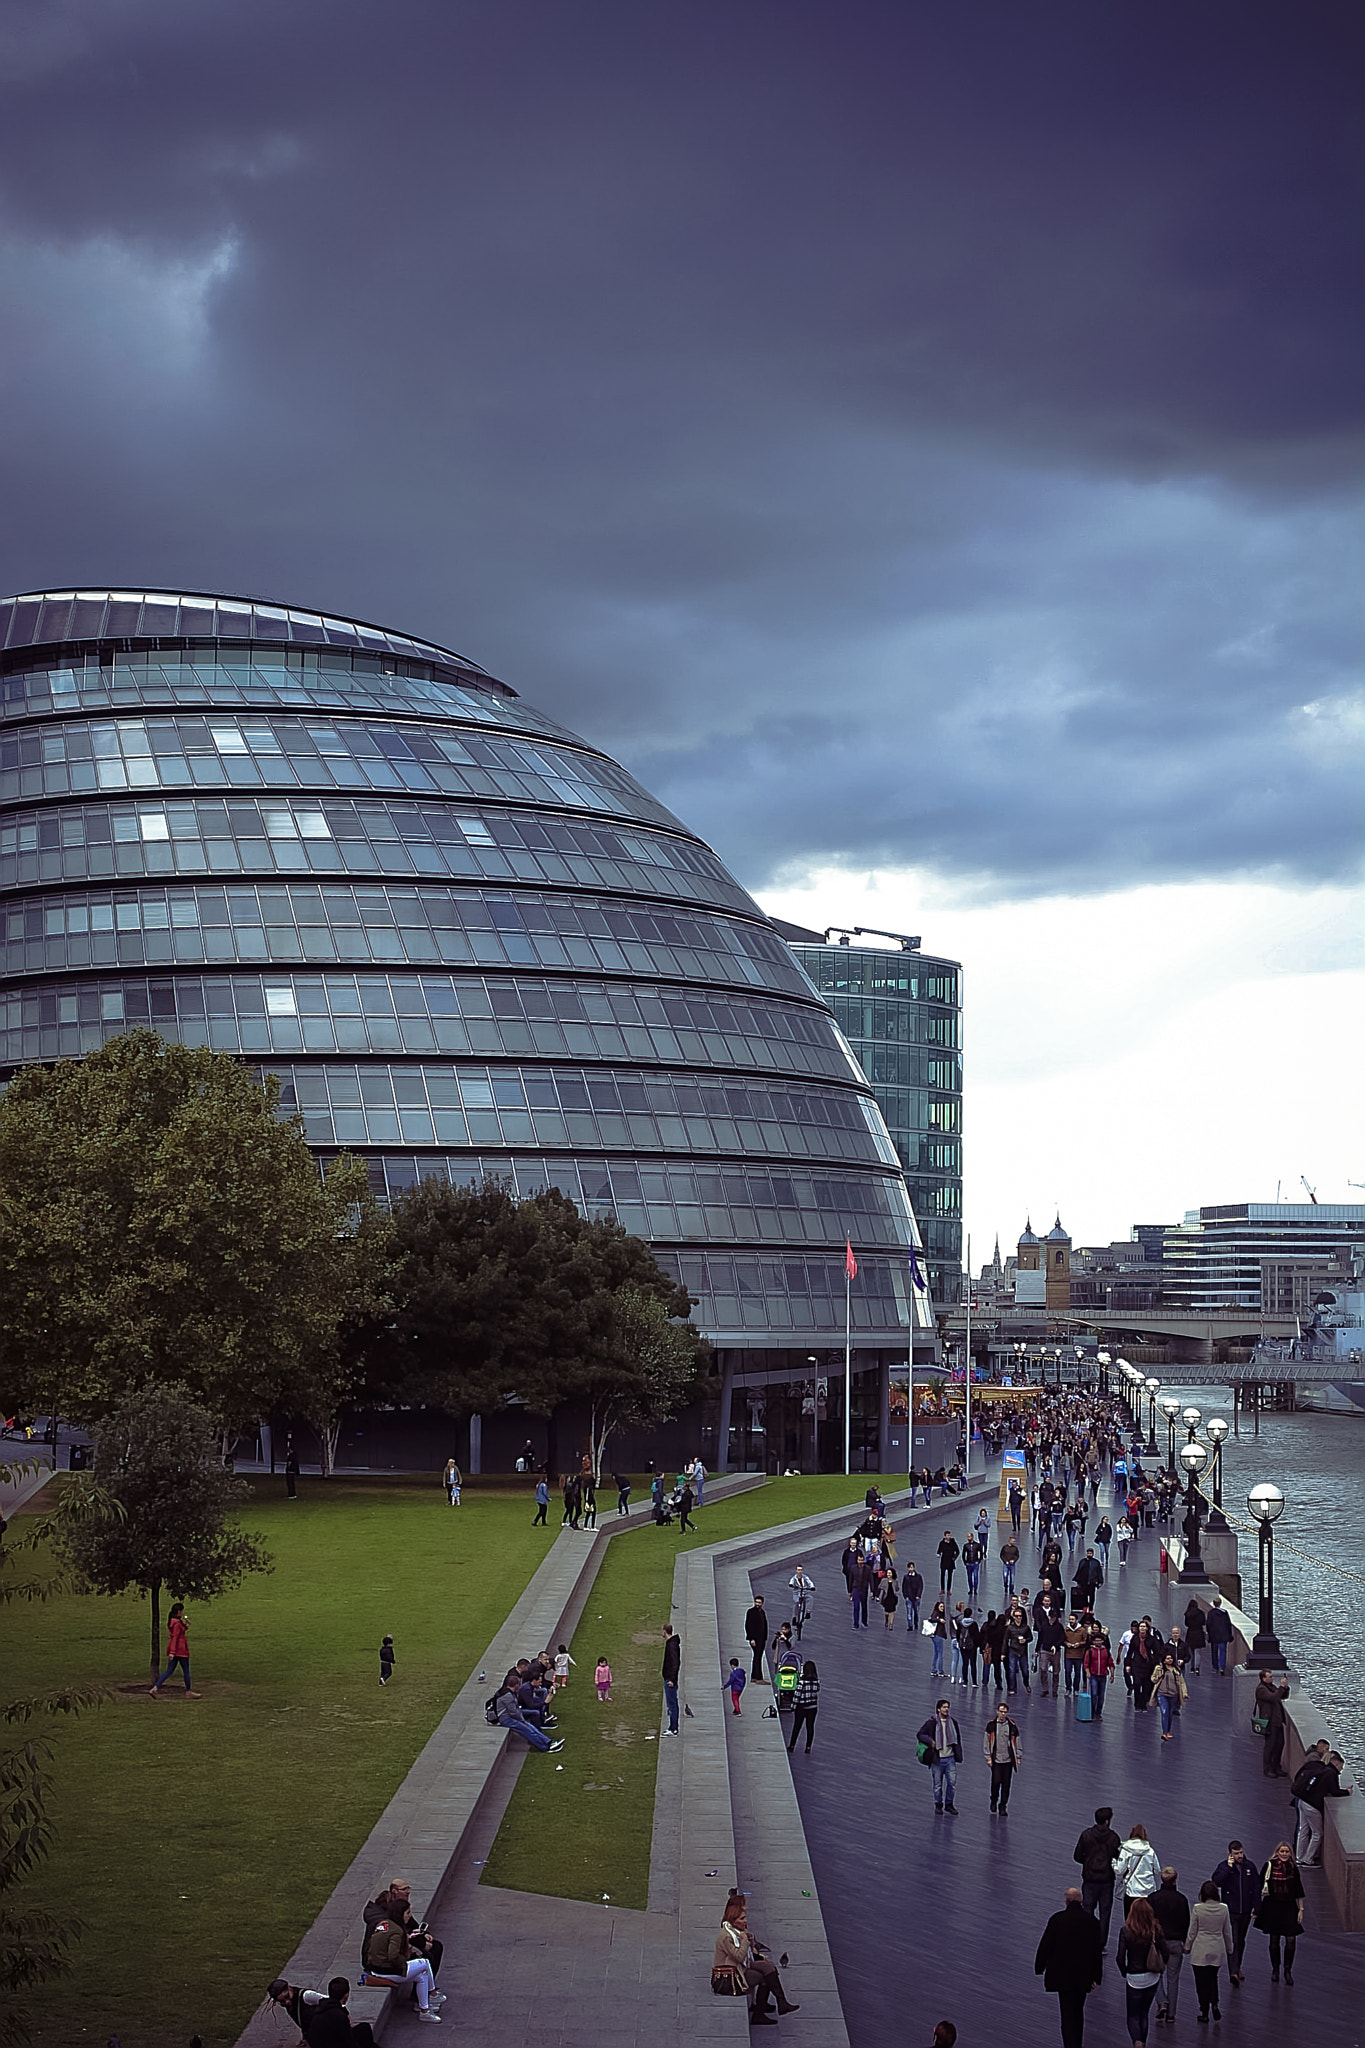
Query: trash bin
[80, 1457]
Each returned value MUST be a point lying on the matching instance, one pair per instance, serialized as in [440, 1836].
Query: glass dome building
[467, 941]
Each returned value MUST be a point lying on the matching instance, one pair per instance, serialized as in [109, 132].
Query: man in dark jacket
[1070, 1959]
[331, 2024]
[942, 1737]
[1238, 1878]
[912, 1592]
[1095, 1852]
[859, 1587]
[1172, 1911]
[1269, 1705]
[1316, 1781]
[948, 1553]
[1088, 1580]
[1051, 1638]
[672, 1666]
[756, 1635]
[1218, 1627]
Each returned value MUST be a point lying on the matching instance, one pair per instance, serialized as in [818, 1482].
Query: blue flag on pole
[915, 1274]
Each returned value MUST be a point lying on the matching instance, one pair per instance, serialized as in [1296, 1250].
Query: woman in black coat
[1141, 1665]
[1280, 1912]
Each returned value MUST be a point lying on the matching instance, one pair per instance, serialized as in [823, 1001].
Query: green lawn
[198, 1839]
[585, 1831]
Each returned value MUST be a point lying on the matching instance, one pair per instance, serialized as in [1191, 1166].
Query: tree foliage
[159, 1220]
[499, 1299]
[158, 1455]
[653, 1367]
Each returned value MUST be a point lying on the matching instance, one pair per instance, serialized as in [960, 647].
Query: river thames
[1318, 1462]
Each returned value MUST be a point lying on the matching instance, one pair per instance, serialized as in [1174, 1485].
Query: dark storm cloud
[903, 433]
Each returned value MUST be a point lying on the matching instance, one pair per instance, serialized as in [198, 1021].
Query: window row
[417, 927]
[847, 971]
[41, 618]
[251, 835]
[230, 751]
[421, 1014]
[613, 1186]
[294, 681]
[891, 1025]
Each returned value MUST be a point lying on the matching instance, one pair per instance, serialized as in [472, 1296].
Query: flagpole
[848, 1367]
[967, 1461]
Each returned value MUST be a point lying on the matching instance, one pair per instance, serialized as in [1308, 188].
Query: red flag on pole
[850, 1263]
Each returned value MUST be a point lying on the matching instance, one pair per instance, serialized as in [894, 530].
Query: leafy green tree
[36, 1946]
[158, 1456]
[498, 1299]
[654, 1367]
[159, 1220]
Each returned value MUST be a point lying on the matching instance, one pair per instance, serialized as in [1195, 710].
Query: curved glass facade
[467, 941]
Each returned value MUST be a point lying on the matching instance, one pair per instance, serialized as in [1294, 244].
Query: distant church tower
[1057, 1245]
[1030, 1251]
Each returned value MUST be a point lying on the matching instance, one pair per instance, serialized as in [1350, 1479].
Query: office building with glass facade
[1243, 1255]
[901, 1011]
[468, 942]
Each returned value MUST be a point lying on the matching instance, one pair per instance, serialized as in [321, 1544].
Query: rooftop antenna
[1312, 1192]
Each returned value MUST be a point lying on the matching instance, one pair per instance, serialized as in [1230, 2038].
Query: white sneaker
[438, 1997]
[432, 2019]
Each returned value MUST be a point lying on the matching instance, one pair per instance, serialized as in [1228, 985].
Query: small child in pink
[603, 1676]
[736, 1682]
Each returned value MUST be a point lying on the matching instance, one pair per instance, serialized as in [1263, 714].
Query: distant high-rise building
[1236, 1255]
[901, 1011]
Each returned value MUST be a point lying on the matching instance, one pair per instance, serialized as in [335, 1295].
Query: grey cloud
[901, 433]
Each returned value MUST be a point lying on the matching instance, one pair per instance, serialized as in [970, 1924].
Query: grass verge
[223, 1823]
[585, 1832]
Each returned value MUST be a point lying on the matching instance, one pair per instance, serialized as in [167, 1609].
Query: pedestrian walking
[1004, 1755]
[563, 1665]
[386, 1660]
[1137, 1868]
[1219, 1628]
[587, 1489]
[452, 1481]
[687, 1500]
[1196, 1636]
[1096, 1852]
[912, 1592]
[291, 1469]
[1016, 1505]
[735, 1682]
[756, 1634]
[805, 1705]
[1279, 1911]
[859, 1588]
[671, 1667]
[1070, 1961]
[890, 1599]
[1239, 1887]
[938, 1622]
[177, 1651]
[948, 1554]
[1142, 1959]
[602, 1679]
[972, 1554]
[1171, 1695]
[1172, 1911]
[1208, 1941]
[1268, 1709]
[938, 1743]
[1104, 1536]
[1009, 1558]
[542, 1503]
[1142, 1664]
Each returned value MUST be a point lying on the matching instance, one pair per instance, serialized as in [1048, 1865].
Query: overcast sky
[923, 441]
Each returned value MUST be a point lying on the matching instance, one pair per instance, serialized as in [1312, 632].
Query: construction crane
[1312, 1192]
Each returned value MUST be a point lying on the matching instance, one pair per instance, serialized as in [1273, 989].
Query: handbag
[730, 1982]
[1259, 1724]
[923, 1753]
[926, 1628]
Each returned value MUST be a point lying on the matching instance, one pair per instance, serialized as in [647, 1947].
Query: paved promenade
[930, 1917]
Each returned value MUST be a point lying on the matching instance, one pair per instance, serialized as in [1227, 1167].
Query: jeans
[1240, 1924]
[671, 1701]
[912, 1616]
[1309, 1843]
[537, 1737]
[957, 1660]
[1170, 1984]
[803, 1716]
[1166, 1706]
[623, 1500]
[1097, 1896]
[171, 1663]
[943, 1771]
[1072, 1668]
[1103, 1549]
[936, 1666]
[973, 1574]
[1219, 1653]
[1018, 1660]
[1097, 1689]
[1139, 2004]
[858, 1599]
[1048, 1669]
[1016, 1509]
[1008, 1570]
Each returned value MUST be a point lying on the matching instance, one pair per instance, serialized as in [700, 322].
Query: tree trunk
[329, 1436]
[156, 1627]
[552, 1446]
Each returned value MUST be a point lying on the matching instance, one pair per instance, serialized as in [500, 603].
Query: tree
[653, 1367]
[157, 1455]
[499, 1299]
[160, 1220]
[36, 1946]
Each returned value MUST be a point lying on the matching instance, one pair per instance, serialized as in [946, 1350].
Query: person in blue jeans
[1219, 1631]
[1009, 1558]
[515, 1722]
[943, 1738]
[939, 1621]
[912, 1592]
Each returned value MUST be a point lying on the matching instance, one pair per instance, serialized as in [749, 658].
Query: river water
[1318, 1462]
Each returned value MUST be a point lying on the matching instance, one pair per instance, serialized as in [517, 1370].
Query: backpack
[1304, 1777]
[490, 1712]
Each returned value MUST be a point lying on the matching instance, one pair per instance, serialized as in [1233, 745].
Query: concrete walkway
[940, 1917]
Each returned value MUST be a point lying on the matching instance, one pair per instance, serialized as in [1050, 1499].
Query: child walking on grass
[563, 1664]
[386, 1660]
[735, 1682]
[603, 1679]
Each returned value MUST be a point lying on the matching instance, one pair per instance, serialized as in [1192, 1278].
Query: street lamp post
[1169, 1405]
[1265, 1504]
[1216, 1432]
[1153, 1389]
[1194, 1456]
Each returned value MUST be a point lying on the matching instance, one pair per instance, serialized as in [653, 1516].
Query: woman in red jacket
[177, 1650]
